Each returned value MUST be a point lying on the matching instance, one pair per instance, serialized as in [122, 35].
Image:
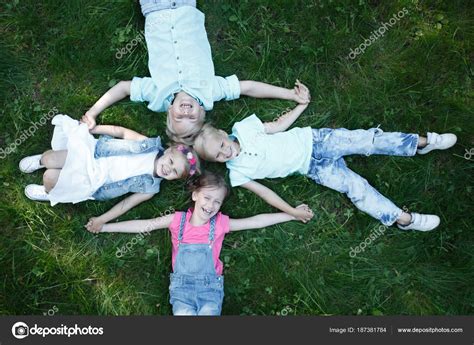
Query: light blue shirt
[180, 59]
[268, 155]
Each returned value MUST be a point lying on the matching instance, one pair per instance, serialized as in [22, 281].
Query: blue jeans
[328, 168]
[196, 295]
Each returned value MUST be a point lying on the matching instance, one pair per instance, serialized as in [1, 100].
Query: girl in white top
[80, 167]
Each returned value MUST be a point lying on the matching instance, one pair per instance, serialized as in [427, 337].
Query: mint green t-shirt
[268, 155]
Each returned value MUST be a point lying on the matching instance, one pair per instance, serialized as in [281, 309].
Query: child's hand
[301, 93]
[94, 225]
[89, 120]
[302, 213]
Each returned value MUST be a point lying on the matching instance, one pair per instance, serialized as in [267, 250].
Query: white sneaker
[36, 192]
[421, 222]
[30, 164]
[438, 142]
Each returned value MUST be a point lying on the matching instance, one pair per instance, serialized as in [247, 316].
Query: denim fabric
[137, 184]
[328, 168]
[148, 6]
[196, 295]
[195, 288]
[108, 146]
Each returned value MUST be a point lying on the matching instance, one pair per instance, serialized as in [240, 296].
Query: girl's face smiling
[208, 201]
[171, 165]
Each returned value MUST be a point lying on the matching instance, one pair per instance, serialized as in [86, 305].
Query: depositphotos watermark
[21, 330]
[27, 133]
[468, 155]
[376, 233]
[130, 45]
[127, 247]
[376, 34]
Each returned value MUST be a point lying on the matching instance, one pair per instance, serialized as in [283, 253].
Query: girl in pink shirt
[197, 284]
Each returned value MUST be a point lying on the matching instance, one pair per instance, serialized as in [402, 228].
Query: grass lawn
[418, 77]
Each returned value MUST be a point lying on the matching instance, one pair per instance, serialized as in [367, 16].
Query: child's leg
[54, 159]
[50, 178]
[336, 175]
[210, 300]
[183, 309]
[341, 142]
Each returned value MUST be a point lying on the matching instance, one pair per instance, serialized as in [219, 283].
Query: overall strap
[212, 229]
[181, 227]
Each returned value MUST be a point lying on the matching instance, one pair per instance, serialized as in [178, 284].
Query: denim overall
[108, 146]
[195, 288]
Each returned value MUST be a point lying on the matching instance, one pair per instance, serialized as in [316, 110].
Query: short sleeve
[248, 127]
[145, 90]
[237, 178]
[225, 88]
[224, 223]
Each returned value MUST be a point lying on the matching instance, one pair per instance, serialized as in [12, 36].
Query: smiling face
[171, 165]
[185, 115]
[216, 146]
[208, 201]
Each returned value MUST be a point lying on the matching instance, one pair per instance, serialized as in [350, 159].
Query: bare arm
[95, 224]
[258, 89]
[118, 132]
[115, 94]
[259, 221]
[302, 212]
[142, 225]
[283, 122]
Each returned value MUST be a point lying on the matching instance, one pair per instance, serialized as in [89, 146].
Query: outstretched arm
[259, 221]
[302, 212]
[115, 94]
[142, 225]
[283, 122]
[118, 132]
[95, 224]
[258, 89]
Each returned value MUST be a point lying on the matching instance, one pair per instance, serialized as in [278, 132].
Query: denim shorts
[196, 295]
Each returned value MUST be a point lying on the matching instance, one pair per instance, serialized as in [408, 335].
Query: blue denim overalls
[108, 146]
[195, 288]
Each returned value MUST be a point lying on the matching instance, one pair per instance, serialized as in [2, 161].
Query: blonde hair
[188, 137]
[200, 141]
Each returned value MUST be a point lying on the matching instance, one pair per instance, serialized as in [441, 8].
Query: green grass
[416, 78]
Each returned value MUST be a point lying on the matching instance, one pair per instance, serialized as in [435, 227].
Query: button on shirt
[268, 155]
[180, 59]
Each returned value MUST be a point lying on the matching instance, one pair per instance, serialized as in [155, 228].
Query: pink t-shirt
[200, 234]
